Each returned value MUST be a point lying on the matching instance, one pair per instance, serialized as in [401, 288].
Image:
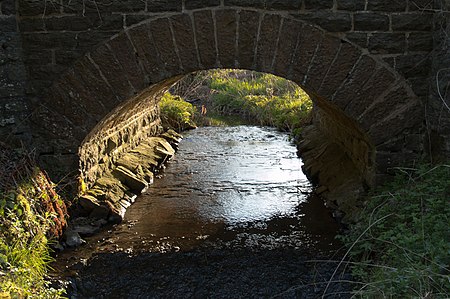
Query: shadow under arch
[107, 101]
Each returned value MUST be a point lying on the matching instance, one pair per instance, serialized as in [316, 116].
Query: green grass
[263, 99]
[238, 97]
[176, 113]
[31, 213]
[401, 242]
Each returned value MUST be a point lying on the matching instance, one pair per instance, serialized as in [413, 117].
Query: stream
[232, 216]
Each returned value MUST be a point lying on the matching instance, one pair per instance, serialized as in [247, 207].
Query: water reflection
[225, 184]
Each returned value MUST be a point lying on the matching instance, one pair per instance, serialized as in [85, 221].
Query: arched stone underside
[107, 101]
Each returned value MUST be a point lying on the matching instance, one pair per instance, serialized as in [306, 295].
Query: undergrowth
[400, 246]
[261, 98]
[176, 113]
[31, 214]
[240, 97]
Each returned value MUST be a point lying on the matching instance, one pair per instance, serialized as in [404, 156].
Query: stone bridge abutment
[95, 71]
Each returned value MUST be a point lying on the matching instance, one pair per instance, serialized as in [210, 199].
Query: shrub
[401, 243]
[176, 113]
[31, 213]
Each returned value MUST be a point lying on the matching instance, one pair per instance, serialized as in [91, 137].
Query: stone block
[206, 42]
[124, 52]
[49, 40]
[113, 72]
[68, 107]
[287, 45]
[81, 7]
[40, 57]
[415, 5]
[309, 39]
[193, 4]
[420, 41]
[420, 86]
[357, 38]
[88, 40]
[350, 5]
[246, 3]
[413, 65]
[370, 22]
[248, 31]
[318, 4]
[38, 8]
[390, 103]
[347, 57]
[387, 5]
[95, 94]
[8, 7]
[364, 96]
[321, 62]
[146, 52]
[131, 19]
[226, 24]
[163, 5]
[387, 43]
[411, 115]
[164, 42]
[130, 179]
[267, 42]
[412, 22]
[92, 21]
[32, 24]
[184, 38]
[330, 21]
[8, 23]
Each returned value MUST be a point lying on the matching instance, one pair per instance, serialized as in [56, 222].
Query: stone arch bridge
[80, 79]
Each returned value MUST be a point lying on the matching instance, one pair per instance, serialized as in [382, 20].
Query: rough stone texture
[14, 105]
[267, 42]
[88, 72]
[248, 29]
[386, 43]
[226, 24]
[370, 22]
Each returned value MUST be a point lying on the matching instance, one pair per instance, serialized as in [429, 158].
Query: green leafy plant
[31, 213]
[400, 246]
[176, 113]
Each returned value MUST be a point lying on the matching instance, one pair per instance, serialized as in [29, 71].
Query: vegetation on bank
[238, 96]
[400, 246]
[31, 215]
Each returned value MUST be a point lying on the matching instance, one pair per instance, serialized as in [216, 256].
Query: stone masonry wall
[121, 131]
[57, 32]
[14, 106]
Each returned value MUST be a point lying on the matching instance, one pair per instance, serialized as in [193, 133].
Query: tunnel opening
[337, 154]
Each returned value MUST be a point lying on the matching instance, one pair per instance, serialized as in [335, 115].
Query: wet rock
[100, 212]
[136, 184]
[72, 238]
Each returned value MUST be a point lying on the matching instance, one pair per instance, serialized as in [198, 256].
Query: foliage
[176, 113]
[30, 213]
[239, 96]
[401, 243]
[264, 99]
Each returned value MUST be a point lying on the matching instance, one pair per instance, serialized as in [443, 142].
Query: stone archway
[361, 104]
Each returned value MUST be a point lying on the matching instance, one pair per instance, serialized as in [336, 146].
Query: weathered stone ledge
[130, 176]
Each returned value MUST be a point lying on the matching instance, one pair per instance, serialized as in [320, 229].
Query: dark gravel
[209, 274]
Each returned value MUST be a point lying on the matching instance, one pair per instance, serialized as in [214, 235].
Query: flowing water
[232, 216]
